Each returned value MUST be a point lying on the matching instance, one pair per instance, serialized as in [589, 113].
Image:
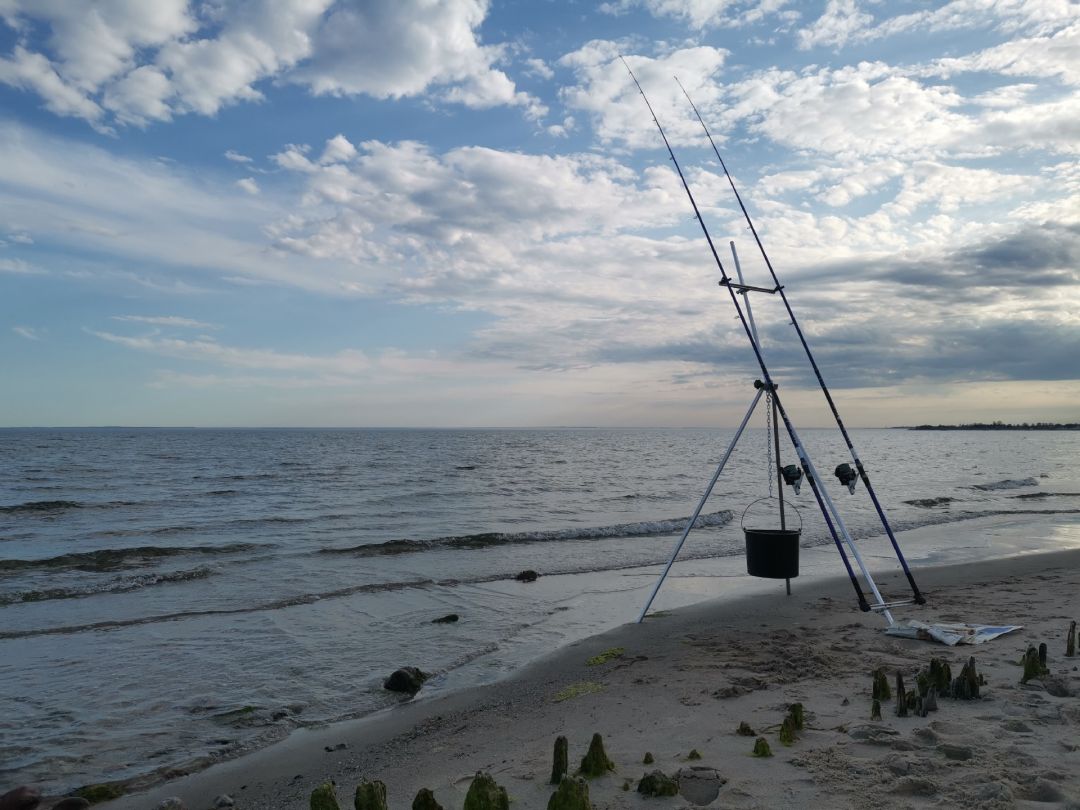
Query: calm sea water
[169, 598]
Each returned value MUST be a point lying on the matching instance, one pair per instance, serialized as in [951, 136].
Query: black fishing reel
[847, 477]
[792, 477]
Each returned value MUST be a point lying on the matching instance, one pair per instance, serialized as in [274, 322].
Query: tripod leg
[701, 505]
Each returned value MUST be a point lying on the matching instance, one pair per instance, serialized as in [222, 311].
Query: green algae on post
[485, 794]
[560, 760]
[761, 748]
[324, 798]
[572, 794]
[370, 795]
[658, 783]
[881, 689]
[1033, 666]
[577, 690]
[694, 754]
[787, 731]
[596, 762]
[605, 656]
[744, 730]
[797, 715]
[425, 800]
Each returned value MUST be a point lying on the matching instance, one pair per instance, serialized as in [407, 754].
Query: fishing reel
[847, 477]
[792, 477]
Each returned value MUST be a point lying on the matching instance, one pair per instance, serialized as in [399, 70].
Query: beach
[685, 679]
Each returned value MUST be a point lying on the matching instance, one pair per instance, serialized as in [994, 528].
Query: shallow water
[171, 597]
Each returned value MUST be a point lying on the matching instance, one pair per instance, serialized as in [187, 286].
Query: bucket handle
[788, 505]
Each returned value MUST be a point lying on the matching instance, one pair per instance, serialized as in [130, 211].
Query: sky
[460, 213]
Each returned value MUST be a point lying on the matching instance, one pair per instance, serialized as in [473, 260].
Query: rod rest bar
[744, 288]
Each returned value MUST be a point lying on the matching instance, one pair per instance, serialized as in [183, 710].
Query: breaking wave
[113, 559]
[488, 539]
[125, 585]
[1008, 483]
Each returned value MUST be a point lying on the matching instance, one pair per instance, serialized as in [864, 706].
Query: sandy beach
[685, 679]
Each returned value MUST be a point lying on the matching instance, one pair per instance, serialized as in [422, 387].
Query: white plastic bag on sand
[950, 634]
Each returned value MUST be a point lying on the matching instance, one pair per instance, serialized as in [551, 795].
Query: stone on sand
[406, 680]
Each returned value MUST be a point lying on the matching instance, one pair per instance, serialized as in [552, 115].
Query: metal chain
[768, 440]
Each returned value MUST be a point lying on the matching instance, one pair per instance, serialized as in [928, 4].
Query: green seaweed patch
[95, 794]
[761, 748]
[694, 754]
[605, 656]
[576, 690]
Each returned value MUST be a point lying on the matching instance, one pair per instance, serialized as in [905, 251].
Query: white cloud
[248, 185]
[145, 62]
[606, 93]
[26, 332]
[338, 150]
[701, 13]
[18, 267]
[840, 21]
[165, 320]
[539, 68]
[236, 157]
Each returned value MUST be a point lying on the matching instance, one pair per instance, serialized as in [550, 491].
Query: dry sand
[686, 679]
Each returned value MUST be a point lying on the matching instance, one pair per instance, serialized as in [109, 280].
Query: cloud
[26, 332]
[18, 267]
[840, 22]
[606, 94]
[248, 185]
[236, 157]
[165, 320]
[701, 13]
[135, 63]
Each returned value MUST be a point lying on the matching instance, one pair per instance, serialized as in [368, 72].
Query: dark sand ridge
[686, 679]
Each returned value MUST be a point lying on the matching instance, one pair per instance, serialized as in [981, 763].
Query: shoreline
[436, 741]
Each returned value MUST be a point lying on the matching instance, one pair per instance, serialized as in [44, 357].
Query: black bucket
[772, 553]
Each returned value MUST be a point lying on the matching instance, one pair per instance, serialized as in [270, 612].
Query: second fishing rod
[919, 598]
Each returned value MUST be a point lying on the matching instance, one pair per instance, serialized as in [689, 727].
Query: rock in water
[560, 760]
[449, 618]
[761, 748]
[658, 783]
[324, 798]
[95, 794]
[407, 680]
[596, 762]
[425, 800]
[527, 576]
[573, 794]
[23, 797]
[370, 795]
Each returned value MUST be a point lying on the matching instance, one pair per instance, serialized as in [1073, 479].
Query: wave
[113, 559]
[292, 601]
[1041, 495]
[927, 503]
[488, 539]
[1008, 483]
[49, 507]
[118, 586]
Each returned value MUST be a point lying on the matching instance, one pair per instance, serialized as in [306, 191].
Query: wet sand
[685, 679]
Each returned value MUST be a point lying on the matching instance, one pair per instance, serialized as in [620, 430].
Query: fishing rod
[919, 598]
[726, 282]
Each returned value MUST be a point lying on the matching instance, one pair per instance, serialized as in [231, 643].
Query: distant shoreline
[1001, 426]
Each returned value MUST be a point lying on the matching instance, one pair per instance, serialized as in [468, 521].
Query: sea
[170, 598]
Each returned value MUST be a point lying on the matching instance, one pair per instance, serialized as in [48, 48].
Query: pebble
[171, 803]
[21, 798]
[224, 800]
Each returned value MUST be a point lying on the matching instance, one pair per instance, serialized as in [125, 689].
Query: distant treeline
[1003, 426]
